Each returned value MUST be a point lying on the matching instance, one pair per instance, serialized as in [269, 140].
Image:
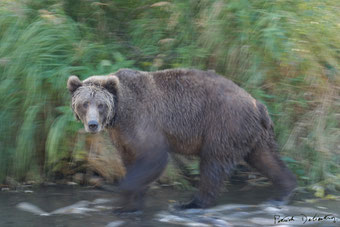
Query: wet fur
[190, 112]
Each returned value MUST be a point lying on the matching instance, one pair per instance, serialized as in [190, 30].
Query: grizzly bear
[186, 111]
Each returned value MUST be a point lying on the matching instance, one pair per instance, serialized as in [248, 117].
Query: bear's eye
[100, 106]
[85, 104]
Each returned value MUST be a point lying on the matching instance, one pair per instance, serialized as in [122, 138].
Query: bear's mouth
[92, 131]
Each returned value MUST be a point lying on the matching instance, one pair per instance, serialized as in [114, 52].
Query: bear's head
[94, 100]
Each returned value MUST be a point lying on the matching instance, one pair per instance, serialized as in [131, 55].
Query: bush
[286, 54]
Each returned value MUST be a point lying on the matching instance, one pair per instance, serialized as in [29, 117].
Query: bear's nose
[93, 125]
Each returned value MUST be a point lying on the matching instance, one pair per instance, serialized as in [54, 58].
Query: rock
[77, 208]
[78, 178]
[230, 207]
[101, 201]
[32, 209]
[262, 221]
[98, 207]
[11, 182]
[154, 187]
[95, 181]
[115, 224]
[272, 210]
[192, 220]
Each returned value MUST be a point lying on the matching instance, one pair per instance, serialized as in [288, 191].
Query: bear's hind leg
[268, 163]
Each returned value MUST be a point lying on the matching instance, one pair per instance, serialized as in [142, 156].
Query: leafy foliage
[285, 53]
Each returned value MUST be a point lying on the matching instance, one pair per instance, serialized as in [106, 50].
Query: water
[78, 206]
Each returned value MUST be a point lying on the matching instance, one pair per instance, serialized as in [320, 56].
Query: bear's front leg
[213, 172]
[147, 167]
[130, 201]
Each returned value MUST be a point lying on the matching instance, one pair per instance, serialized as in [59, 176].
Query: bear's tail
[267, 123]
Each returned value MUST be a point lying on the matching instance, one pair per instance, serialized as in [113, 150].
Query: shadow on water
[79, 206]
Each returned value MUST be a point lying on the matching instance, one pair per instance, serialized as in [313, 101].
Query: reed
[285, 53]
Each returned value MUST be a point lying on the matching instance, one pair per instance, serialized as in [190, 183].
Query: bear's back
[183, 89]
[188, 106]
[202, 104]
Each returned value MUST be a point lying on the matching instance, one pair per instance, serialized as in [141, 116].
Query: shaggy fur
[190, 112]
[97, 94]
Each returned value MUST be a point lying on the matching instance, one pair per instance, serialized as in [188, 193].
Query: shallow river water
[79, 206]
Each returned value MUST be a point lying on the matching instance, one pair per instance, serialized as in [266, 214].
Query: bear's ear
[111, 83]
[73, 83]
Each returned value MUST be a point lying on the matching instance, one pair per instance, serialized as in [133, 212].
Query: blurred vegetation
[285, 53]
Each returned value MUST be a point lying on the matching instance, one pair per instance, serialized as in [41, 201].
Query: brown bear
[186, 111]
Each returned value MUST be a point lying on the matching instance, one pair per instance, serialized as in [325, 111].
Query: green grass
[286, 54]
[38, 54]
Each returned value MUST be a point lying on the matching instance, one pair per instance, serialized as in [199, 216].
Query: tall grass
[38, 51]
[285, 53]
